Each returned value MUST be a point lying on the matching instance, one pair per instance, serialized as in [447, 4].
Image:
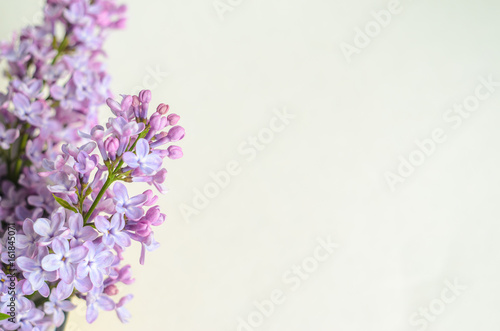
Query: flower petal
[36, 280]
[134, 213]
[75, 222]
[82, 270]
[83, 284]
[116, 222]
[42, 227]
[27, 264]
[77, 254]
[52, 262]
[108, 240]
[104, 259]
[60, 246]
[88, 233]
[96, 277]
[138, 200]
[130, 159]
[142, 148]
[67, 273]
[122, 239]
[102, 224]
[91, 313]
[120, 192]
[106, 303]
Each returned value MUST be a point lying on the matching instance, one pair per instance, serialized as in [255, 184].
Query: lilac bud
[145, 96]
[173, 119]
[162, 108]
[155, 122]
[111, 145]
[111, 290]
[174, 152]
[176, 133]
[135, 101]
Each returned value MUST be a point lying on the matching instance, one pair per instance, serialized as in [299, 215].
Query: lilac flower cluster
[73, 214]
[56, 82]
[76, 251]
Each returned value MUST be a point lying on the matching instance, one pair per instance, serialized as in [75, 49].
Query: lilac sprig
[77, 250]
[56, 82]
[72, 210]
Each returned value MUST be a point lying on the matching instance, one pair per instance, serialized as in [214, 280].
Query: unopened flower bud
[135, 101]
[111, 145]
[145, 96]
[176, 133]
[173, 119]
[174, 152]
[162, 108]
[111, 290]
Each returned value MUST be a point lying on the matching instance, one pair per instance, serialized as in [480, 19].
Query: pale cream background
[324, 174]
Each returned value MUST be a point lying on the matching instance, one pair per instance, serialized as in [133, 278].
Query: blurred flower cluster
[62, 175]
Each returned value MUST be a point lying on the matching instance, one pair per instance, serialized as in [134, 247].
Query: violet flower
[7, 137]
[81, 284]
[122, 313]
[26, 318]
[128, 206]
[28, 241]
[64, 259]
[97, 300]
[79, 232]
[142, 159]
[95, 263]
[31, 112]
[157, 180]
[56, 306]
[36, 275]
[48, 230]
[112, 231]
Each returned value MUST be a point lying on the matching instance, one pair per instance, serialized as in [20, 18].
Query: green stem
[62, 47]
[14, 170]
[19, 162]
[112, 176]
[104, 188]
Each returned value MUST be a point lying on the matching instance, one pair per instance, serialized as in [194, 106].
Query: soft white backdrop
[323, 174]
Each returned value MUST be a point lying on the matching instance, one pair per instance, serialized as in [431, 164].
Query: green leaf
[65, 203]
[4, 316]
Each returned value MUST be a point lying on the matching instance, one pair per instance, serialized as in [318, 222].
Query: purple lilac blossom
[77, 249]
[73, 215]
[56, 82]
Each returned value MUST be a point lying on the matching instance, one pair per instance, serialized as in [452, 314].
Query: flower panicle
[77, 249]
